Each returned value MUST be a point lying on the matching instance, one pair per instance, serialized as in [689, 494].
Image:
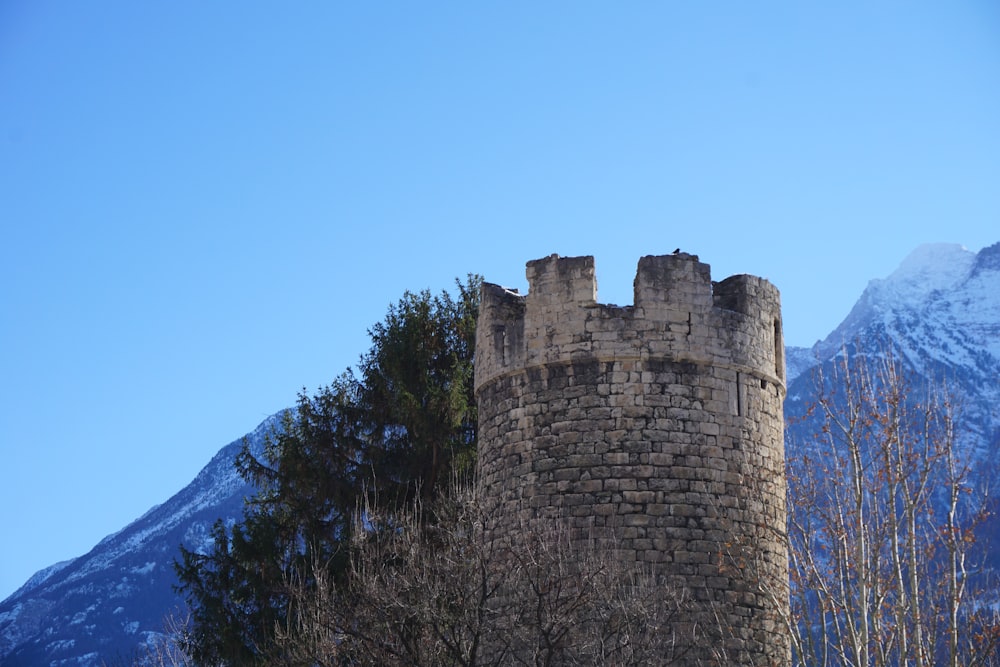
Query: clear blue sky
[204, 205]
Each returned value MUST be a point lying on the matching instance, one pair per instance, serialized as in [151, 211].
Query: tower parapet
[679, 314]
[658, 426]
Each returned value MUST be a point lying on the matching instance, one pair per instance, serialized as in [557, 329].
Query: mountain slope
[939, 312]
[105, 604]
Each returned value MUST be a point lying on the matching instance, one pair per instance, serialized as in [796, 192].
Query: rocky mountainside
[940, 311]
[105, 605]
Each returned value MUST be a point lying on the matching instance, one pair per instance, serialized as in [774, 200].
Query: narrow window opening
[779, 351]
[500, 343]
[739, 395]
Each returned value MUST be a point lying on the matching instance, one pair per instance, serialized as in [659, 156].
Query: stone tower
[658, 426]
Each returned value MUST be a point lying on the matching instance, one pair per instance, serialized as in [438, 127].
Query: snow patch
[85, 660]
[145, 569]
[798, 360]
[60, 645]
[934, 266]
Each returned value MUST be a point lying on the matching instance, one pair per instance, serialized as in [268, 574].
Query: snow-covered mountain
[102, 607]
[940, 311]
[942, 305]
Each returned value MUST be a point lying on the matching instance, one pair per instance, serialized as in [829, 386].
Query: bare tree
[426, 589]
[881, 528]
[573, 602]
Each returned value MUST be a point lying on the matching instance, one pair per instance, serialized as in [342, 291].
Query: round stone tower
[656, 426]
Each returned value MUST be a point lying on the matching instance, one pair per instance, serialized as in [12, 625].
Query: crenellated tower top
[679, 314]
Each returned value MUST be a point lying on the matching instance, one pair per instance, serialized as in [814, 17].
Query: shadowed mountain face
[104, 605]
[940, 312]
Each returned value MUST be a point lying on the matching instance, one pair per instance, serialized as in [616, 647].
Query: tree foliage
[415, 405]
[401, 425]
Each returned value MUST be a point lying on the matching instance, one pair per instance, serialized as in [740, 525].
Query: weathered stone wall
[657, 427]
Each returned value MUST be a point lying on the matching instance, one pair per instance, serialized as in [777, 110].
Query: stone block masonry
[656, 427]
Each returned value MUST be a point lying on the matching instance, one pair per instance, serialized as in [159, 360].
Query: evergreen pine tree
[401, 426]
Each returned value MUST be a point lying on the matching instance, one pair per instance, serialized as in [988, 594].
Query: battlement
[679, 314]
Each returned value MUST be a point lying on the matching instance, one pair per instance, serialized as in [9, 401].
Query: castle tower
[657, 426]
